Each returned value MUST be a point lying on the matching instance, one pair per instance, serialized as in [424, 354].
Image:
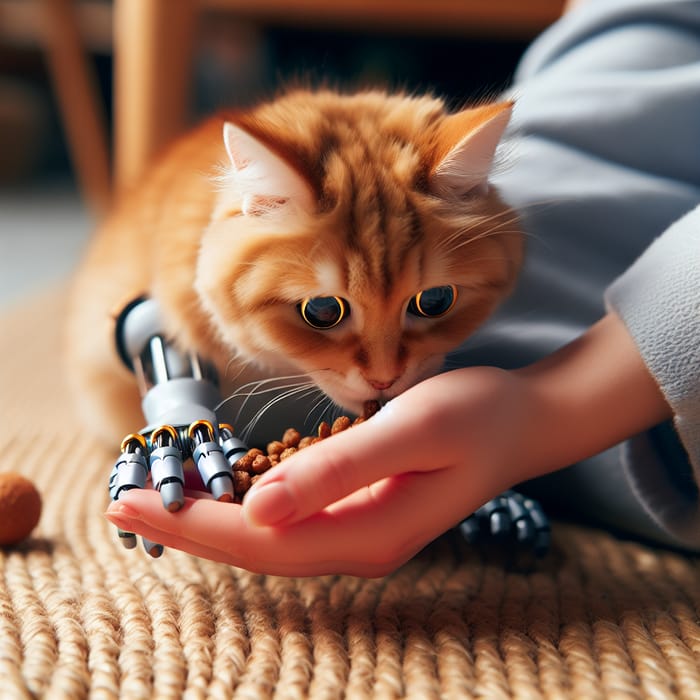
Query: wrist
[590, 395]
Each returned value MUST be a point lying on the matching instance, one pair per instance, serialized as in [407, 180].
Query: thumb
[387, 444]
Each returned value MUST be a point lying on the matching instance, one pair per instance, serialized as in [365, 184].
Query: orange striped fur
[371, 197]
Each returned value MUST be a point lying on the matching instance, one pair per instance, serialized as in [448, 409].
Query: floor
[43, 230]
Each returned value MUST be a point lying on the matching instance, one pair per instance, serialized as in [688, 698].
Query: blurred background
[66, 123]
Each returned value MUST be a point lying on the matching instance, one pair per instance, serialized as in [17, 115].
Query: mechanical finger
[130, 471]
[167, 470]
[208, 456]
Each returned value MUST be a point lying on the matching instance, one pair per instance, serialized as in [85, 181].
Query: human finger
[216, 531]
[364, 535]
[326, 472]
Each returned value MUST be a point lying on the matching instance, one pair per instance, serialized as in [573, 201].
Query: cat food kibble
[249, 468]
[241, 481]
[20, 508]
[291, 437]
[339, 424]
[260, 464]
[274, 448]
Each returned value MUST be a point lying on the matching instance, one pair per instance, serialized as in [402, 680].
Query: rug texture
[80, 617]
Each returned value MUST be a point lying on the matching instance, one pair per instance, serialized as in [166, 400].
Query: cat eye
[323, 313]
[433, 302]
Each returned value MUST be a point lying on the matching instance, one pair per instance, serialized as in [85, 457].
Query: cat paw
[511, 520]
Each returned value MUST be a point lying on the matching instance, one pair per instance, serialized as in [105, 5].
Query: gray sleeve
[658, 299]
[612, 79]
[603, 158]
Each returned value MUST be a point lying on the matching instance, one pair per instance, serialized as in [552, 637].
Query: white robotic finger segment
[155, 550]
[214, 469]
[128, 539]
[221, 487]
[131, 473]
[172, 495]
[166, 464]
[113, 481]
[167, 474]
[232, 447]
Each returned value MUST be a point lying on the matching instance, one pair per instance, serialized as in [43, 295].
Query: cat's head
[357, 239]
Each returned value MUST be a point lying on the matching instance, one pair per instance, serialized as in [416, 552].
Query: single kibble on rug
[249, 468]
[20, 508]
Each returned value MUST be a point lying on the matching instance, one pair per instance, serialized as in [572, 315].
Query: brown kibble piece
[339, 424]
[245, 463]
[249, 468]
[275, 447]
[261, 464]
[20, 508]
[291, 437]
[241, 482]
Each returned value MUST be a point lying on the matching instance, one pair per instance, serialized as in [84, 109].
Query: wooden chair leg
[153, 43]
[79, 101]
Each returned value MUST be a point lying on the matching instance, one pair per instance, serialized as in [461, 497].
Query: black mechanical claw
[510, 520]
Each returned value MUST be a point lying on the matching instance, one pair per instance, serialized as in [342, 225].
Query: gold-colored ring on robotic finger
[164, 429]
[198, 424]
[133, 437]
[226, 426]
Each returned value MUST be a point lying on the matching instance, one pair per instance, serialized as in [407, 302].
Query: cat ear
[265, 179]
[466, 146]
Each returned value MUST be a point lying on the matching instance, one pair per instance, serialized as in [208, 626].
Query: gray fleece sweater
[604, 162]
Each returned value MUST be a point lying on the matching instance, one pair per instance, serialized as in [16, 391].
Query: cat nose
[381, 385]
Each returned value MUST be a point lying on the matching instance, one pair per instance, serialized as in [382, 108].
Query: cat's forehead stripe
[377, 203]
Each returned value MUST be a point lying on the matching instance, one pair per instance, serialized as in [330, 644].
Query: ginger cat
[353, 240]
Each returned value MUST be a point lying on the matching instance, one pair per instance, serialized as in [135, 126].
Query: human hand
[367, 499]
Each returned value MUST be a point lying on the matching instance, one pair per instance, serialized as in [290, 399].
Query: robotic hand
[179, 395]
[511, 519]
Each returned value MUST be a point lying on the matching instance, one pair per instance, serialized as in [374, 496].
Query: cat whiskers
[297, 393]
[242, 366]
[500, 220]
[283, 388]
[498, 227]
[254, 388]
[330, 409]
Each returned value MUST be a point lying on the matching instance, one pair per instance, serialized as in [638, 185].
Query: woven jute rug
[82, 617]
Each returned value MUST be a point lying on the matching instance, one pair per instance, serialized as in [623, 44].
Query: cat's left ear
[466, 145]
[266, 180]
